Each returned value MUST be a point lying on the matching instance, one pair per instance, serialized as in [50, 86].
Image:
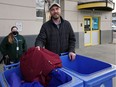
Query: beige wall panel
[74, 25]
[80, 23]
[72, 16]
[71, 5]
[5, 27]
[16, 12]
[106, 16]
[80, 16]
[29, 27]
[106, 21]
[79, 27]
[105, 25]
[70, 13]
[30, 3]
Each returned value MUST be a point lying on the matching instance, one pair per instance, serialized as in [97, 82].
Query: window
[87, 24]
[40, 7]
[95, 23]
[57, 1]
[39, 13]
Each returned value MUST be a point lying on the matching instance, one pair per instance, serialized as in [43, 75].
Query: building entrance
[91, 31]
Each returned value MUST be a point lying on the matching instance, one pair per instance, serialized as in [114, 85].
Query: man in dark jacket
[57, 34]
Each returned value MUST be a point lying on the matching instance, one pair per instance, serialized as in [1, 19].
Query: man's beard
[55, 17]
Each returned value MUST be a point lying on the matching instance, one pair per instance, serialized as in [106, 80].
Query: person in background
[13, 46]
[57, 34]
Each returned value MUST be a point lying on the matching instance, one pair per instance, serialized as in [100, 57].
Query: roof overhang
[97, 5]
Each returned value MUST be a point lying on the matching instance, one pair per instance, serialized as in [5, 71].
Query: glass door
[95, 31]
[91, 31]
[87, 31]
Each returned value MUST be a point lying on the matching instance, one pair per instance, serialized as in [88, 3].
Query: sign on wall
[19, 25]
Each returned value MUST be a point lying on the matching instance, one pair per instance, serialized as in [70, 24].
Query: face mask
[14, 32]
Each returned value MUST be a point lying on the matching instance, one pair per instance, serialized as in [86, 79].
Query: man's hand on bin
[38, 47]
[72, 56]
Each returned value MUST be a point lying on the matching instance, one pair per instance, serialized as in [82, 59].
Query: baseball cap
[54, 4]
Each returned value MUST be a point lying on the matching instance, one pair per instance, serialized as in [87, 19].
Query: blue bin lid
[83, 64]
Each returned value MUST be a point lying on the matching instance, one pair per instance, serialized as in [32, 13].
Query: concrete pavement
[105, 52]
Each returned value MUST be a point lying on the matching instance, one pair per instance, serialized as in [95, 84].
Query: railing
[109, 3]
[86, 1]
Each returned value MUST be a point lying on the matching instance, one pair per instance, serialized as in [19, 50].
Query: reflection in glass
[39, 12]
[87, 24]
[95, 23]
[40, 3]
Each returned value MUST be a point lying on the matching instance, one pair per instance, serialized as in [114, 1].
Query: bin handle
[11, 65]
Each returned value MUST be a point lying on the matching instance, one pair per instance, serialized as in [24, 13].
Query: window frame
[42, 8]
[39, 8]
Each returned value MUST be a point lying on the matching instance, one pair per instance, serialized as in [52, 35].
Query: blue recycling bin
[4, 77]
[93, 72]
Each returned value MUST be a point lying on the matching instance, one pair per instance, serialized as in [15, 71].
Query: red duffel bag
[37, 64]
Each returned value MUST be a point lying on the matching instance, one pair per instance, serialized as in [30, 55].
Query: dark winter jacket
[57, 40]
[13, 50]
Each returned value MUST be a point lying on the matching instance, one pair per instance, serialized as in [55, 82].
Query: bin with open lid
[93, 72]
